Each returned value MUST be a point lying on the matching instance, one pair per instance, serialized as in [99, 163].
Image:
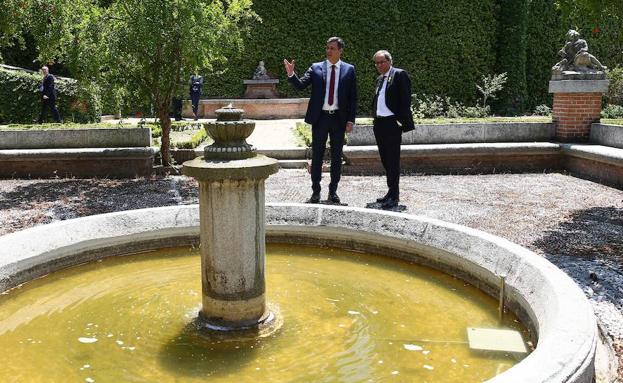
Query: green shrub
[200, 136]
[542, 110]
[66, 126]
[20, 100]
[615, 90]
[612, 111]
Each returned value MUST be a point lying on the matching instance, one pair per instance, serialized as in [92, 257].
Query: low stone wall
[75, 138]
[607, 135]
[271, 108]
[462, 133]
[84, 153]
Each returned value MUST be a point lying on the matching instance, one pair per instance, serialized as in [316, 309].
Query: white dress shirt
[381, 108]
[336, 104]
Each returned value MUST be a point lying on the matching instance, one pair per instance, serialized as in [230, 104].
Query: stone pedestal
[577, 104]
[231, 203]
[261, 88]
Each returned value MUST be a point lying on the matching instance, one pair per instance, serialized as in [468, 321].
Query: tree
[154, 45]
[592, 8]
[144, 46]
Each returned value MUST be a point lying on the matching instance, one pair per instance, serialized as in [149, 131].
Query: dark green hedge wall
[20, 100]
[446, 45]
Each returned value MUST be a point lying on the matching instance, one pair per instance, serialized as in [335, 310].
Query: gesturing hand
[289, 67]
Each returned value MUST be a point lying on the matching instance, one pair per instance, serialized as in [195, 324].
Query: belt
[384, 117]
[330, 112]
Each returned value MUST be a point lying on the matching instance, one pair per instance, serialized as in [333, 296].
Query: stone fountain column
[231, 201]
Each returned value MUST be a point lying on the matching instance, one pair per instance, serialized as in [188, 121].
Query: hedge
[20, 100]
[446, 46]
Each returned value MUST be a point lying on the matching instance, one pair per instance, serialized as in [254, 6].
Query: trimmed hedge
[446, 46]
[20, 100]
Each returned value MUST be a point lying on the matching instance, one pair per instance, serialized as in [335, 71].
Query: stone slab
[578, 86]
[608, 135]
[75, 138]
[271, 108]
[462, 133]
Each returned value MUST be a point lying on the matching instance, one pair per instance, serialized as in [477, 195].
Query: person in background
[196, 86]
[48, 97]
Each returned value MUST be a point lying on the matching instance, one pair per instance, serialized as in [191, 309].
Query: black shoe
[315, 198]
[333, 198]
[390, 203]
[382, 199]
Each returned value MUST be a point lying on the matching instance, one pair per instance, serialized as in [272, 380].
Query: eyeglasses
[380, 62]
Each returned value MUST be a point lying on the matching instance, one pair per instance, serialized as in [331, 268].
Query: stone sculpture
[575, 58]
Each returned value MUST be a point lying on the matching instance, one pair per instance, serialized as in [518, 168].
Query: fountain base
[214, 328]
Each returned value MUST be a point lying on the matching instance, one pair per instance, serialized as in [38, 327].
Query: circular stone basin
[347, 317]
[554, 309]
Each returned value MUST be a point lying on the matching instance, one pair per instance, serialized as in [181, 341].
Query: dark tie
[332, 85]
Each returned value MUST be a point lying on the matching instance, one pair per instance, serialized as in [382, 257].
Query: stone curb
[552, 303]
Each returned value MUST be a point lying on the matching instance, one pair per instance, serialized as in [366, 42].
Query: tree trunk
[165, 124]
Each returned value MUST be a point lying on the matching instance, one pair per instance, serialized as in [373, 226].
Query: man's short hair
[386, 54]
[338, 40]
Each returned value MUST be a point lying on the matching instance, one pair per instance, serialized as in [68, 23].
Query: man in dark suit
[392, 117]
[48, 96]
[196, 86]
[331, 111]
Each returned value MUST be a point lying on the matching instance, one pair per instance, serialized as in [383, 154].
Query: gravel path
[576, 224]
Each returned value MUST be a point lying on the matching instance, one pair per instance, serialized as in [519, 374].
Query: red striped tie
[332, 85]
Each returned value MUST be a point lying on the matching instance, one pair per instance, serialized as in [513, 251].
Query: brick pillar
[577, 105]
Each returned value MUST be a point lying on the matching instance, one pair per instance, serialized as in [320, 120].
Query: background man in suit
[196, 85]
[48, 96]
[331, 111]
[392, 117]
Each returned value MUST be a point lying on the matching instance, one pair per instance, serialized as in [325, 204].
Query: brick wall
[573, 114]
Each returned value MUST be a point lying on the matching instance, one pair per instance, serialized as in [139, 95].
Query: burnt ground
[576, 224]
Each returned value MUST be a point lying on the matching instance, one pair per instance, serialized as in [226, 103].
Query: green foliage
[443, 47]
[615, 91]
[68, 126]
[303, 134]
[511, 55]
[612, 111]
[424, 107]
[491, 84]
[542, 110]
[197, 138]
[20, 100]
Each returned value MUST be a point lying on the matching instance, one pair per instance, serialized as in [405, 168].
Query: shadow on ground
[592, 233]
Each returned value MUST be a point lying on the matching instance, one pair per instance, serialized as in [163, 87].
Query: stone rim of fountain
[545, 298]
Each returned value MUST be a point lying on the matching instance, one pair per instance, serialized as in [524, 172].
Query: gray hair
[338, 40]
[386, 54]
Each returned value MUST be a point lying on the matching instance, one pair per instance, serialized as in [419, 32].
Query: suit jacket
[316, 75]
[398, 97]
[196, 83]
[47, 87]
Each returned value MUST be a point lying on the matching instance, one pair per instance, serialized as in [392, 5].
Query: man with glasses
[331, 111]
[392, 117]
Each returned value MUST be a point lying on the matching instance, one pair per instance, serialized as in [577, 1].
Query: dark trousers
[328, 125]
[194, 97]
[388, 138]
[50, 103]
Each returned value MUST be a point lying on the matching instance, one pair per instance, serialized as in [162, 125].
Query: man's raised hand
[289, 67]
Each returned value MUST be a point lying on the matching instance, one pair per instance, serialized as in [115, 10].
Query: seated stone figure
[575, 56]
[260, 72]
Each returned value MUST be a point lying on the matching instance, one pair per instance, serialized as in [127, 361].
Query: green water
[348, 317]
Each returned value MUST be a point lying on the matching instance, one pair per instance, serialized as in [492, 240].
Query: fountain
[231, 180]
[239, 332]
